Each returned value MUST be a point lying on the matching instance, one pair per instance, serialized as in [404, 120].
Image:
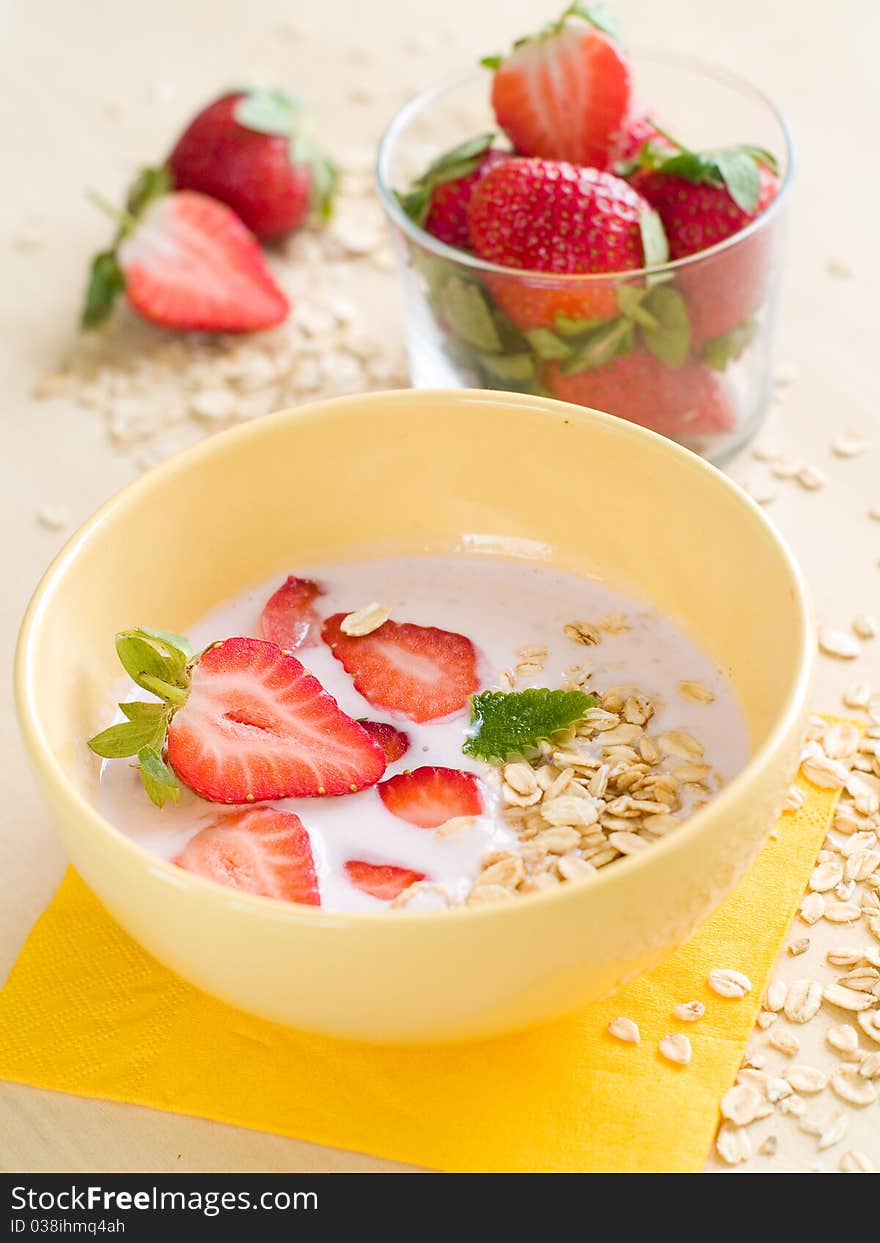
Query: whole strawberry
[184, 261]
[703, 199]
[685, 403]
[550, 216]
[252, 151]
[439, 199]
[565, 92]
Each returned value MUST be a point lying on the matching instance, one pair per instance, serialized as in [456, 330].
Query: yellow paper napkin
[87, 1011]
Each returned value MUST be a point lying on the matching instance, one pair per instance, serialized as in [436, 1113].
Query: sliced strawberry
[189, 263]
[564, 93]
[419, 671]
[262, 850]
[430, 796]
[256, 725]
[289, 618]
[394, 742]
[382, 880]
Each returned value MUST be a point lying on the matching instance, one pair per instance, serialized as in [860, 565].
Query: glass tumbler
[684, 348]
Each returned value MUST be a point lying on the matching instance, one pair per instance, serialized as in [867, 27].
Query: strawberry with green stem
[254, 151]
[705, 198]
[549, 216]
[438, 200]
[565, 93]
[241, 722]
[185, 262]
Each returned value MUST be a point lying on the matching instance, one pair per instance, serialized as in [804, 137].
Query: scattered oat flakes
[811, 478]
[865, 626]
[833, 1133]
[740, 1104]
[729, 983]
[366, 620]
[850, 1086]
[761, 491]
[869, 1022]
[807, 1080]
[857, 695]
[796, 948]
[838, 268]
[676, 1048]
[784, 1041]
[697, 692]
[812, 908]
[583, 633]
[839, 644]
[794, 799]
[626, 1030]
[855, 1162]
[689, 1011]
[53, 517]
[803, 1000]
[768, 1146]
[732, 1144]
[777, 991]
[851, 444]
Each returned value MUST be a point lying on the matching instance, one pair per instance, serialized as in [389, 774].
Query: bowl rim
[441, 250]
[52, 775]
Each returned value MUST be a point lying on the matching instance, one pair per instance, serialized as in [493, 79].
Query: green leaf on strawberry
[654, 243]
[516, 722]
[547, 344]
[158, 779]
[459, 162]
[106, 282]
[464, 306]
[279, 113]
[598, 15]
[514, 367]
[669, 339]
[604, 343]
[269, 112]
[725, 349]
[148, 185]
[735, 168]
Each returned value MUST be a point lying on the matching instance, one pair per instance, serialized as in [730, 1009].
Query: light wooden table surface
[87, 93]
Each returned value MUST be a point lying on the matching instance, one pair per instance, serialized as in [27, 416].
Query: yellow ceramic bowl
[409, 471]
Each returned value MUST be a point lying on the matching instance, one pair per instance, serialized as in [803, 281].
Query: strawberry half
[418, 671]
[241, 723]
[186, 262]
[289, 617]
[429, 796]
[382, 880]
[252, 151]
[394, 742]
[565, 92]
[262, 850]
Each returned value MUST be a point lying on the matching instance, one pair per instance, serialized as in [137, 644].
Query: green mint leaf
[491, 62]
[654, 243]
[739, 172]
[721, 351]
[546, 344]
[670, 337]
[567, 327]
[158, 779]
[603, 344]
[128, 738]
[630, 299]
[518, 367]
[269, 112]
[106, 282]
[150, 184]
[505, 724]
[463, 305]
